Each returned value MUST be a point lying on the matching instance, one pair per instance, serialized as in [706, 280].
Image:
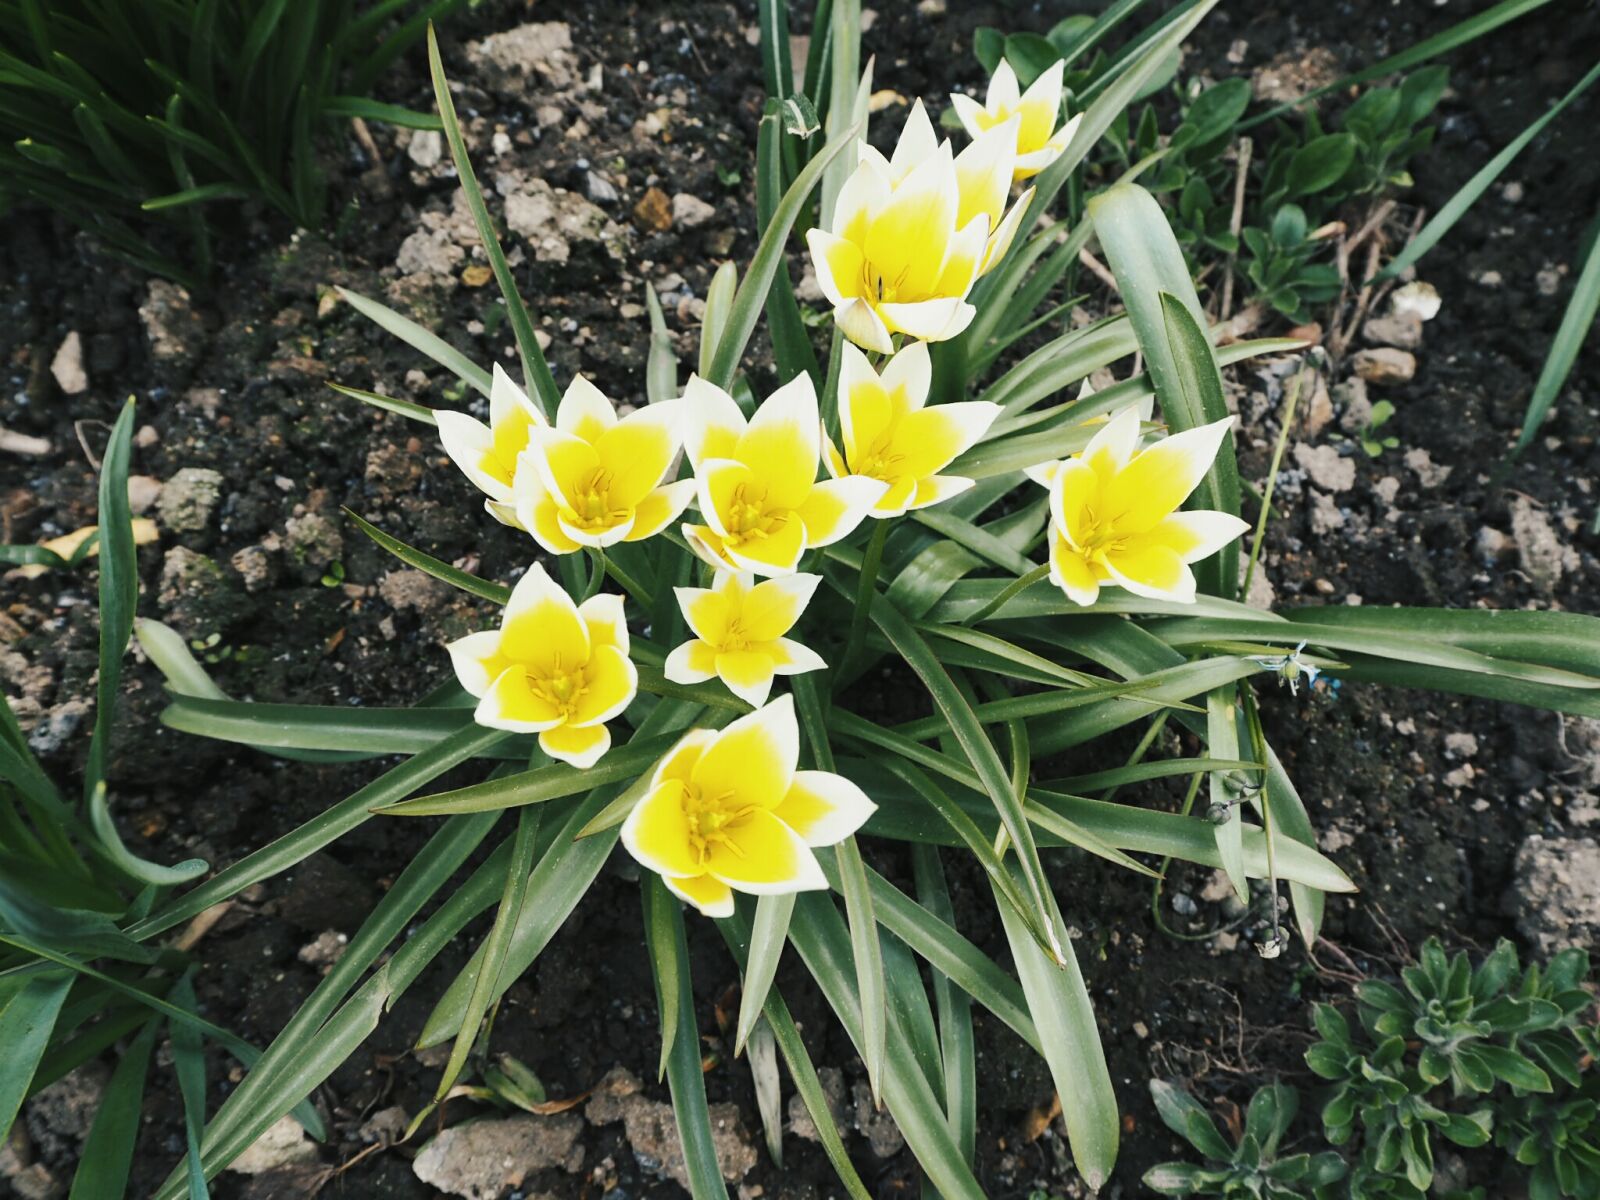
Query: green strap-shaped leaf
[1064, 1015]
[540, 382]
[670, 960]
[29, 1006]
[119, 590]
[108, 1150]
[420, 340]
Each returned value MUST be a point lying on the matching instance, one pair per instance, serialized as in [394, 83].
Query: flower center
[591, 507]
[879, 288]
[735, 638]
[882, 460]
[747, 517]
[1097, 534]
[561, 687]
[711, 819]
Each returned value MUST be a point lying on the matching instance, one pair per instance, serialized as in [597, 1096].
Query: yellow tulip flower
[594, 479]
[911, 234]
[554, 668]
[739, 626]
[487, 454]
[890, 435]
[758, 489]
[1039, 142]
[1114, 515]
[727, 811]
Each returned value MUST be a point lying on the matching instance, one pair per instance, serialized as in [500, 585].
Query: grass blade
[119, 590]
[29, 1006]
[426, 563]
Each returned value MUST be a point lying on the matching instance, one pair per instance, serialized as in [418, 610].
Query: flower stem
[1272, 482]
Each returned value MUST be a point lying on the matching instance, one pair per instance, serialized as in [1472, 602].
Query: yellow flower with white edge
[890, 434]
[1039, 141]
[911, 234]
[1115, 518]
[488, 454]
[554, 668]
[596, 479]
[757, 480]
[739, 626]
[727, 811]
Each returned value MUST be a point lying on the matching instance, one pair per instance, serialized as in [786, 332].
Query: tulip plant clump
[723, 572]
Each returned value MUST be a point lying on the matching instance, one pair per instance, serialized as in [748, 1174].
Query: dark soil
[247, 397]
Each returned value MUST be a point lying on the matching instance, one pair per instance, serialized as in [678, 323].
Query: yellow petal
[1160, 478]
[915, 145]
[678, 763]
[1198, 534]
[604, 615]
[692, 662]
[838, 265]
[657, 832]
[566, 463]
[1149, 569]
[581, 748]
[1074, 500]
[763, 856]
[830, 456]
[897, 500]
[1113, 445]
[930, 439]
[936, 489]
[1071, 572]
[836, 506]
[769, 609]
[606, 530]
[512, 705]
[747, 673]
[711, 421]
[789, 657]
[782, 444]
[1039, 107]
[964, 257]
[504, 511]
[866, 412]
[726, 487]
[660, 508]
[1044, 473]
[708, 610]
[477, 660]
[907, 237]
[907, 377]
[470, 446]
[610, 684]
[541, 627]
[1001, 237]
[753, 759]
[584, 411]
[537, 513]
[824, 808]
[1003, 91]
[776, 551]
[507, 400]
[936, 320]
[709, 895]
[708, 547]
[860, 323]
[865, 190]
[983, 173]
[974, 118]
[636, 452]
